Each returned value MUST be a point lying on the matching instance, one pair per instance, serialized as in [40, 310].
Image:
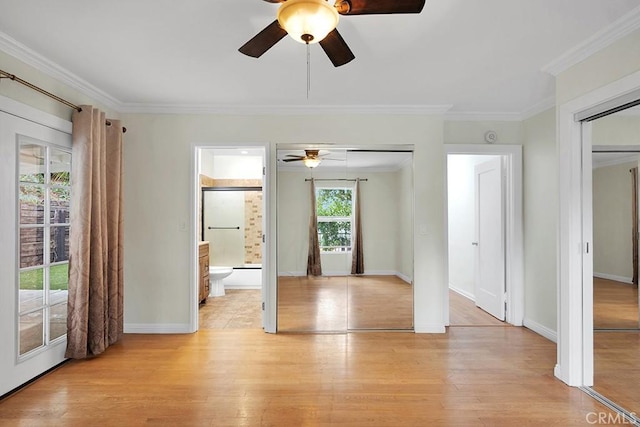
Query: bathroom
[230, 209]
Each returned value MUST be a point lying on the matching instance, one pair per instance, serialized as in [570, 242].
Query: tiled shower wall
[253, 227]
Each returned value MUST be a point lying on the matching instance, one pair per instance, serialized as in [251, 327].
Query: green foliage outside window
[334, 207]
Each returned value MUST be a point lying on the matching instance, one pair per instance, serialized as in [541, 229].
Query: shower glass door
[232, 224]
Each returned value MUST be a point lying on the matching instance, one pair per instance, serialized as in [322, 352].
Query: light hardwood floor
[243, 377]
[484, 376]
[463, 312]
[381, 302]
[616, 353]
[615, 305]
[341, 303]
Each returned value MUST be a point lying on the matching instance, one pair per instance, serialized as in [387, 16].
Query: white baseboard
[613, 277]
[157, 328]
[465, 294]
[430, 329]
[405, 278]
[347, 273]
[291, 273]
[541, 330]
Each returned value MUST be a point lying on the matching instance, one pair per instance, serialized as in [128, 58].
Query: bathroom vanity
[203, 262]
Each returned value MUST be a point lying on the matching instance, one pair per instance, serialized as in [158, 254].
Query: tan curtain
[634, 225]
[357, 253]
[95, 308]
[314, 266]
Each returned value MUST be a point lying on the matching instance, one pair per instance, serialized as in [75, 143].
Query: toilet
[216, 274]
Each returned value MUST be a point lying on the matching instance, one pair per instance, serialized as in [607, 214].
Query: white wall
[462, 226]
[612, 249]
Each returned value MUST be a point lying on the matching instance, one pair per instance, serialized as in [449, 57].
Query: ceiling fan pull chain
[308, 70]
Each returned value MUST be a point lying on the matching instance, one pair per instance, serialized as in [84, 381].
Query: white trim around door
[575, 287]
[514, 261]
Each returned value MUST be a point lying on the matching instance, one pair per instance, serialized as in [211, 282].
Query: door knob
[474, 243]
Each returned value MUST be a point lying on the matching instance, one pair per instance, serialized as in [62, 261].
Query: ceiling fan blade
[378, 7]
[275, 1]
[293, 160]
[293, 155]
[336, 49]
[264, 40]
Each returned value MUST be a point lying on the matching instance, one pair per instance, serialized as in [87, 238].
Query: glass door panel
[381, 297]
[233, 226]
[35, 183]
[308, 303]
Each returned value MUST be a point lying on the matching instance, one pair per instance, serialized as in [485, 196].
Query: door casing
[514, 261]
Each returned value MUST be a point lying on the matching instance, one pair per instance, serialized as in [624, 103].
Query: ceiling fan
[311, 158]
[315, 21]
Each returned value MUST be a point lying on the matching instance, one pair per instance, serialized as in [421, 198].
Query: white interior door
[35, 162]
[490, 267]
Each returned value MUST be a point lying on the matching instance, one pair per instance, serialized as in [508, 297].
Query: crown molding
[288, 110]
[55, 71]
[603, 38]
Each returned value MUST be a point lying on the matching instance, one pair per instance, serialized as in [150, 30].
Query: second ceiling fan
[315, 21]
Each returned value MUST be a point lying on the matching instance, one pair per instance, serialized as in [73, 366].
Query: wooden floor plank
[615, 304]
[469, 376]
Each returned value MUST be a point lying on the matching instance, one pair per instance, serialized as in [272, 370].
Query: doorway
[475, 195]
[231, 228]
[464, 177]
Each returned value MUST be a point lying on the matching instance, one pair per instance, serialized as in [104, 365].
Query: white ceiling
[468, 56]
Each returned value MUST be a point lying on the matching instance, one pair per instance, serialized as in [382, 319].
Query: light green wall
[610, 64]
[405, 218]
[157, 252]
[540, 182]
[37, 100]
[616, 129]
[472, 132]
[612, 221]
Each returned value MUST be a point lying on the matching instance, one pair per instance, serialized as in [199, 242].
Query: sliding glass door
[359, 204]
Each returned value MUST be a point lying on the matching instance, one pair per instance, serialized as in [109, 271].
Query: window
[43, 258]
[334, 207]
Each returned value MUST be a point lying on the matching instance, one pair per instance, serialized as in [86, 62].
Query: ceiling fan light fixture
[311, 162]
[308, 21]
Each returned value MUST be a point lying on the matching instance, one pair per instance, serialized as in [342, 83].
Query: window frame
[323, 218]
[46, 305]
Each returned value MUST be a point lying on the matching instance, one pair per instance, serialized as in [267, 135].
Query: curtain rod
[13, 77]
[337, 179]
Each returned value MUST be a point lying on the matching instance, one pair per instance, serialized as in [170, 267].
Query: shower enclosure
[232, 224]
